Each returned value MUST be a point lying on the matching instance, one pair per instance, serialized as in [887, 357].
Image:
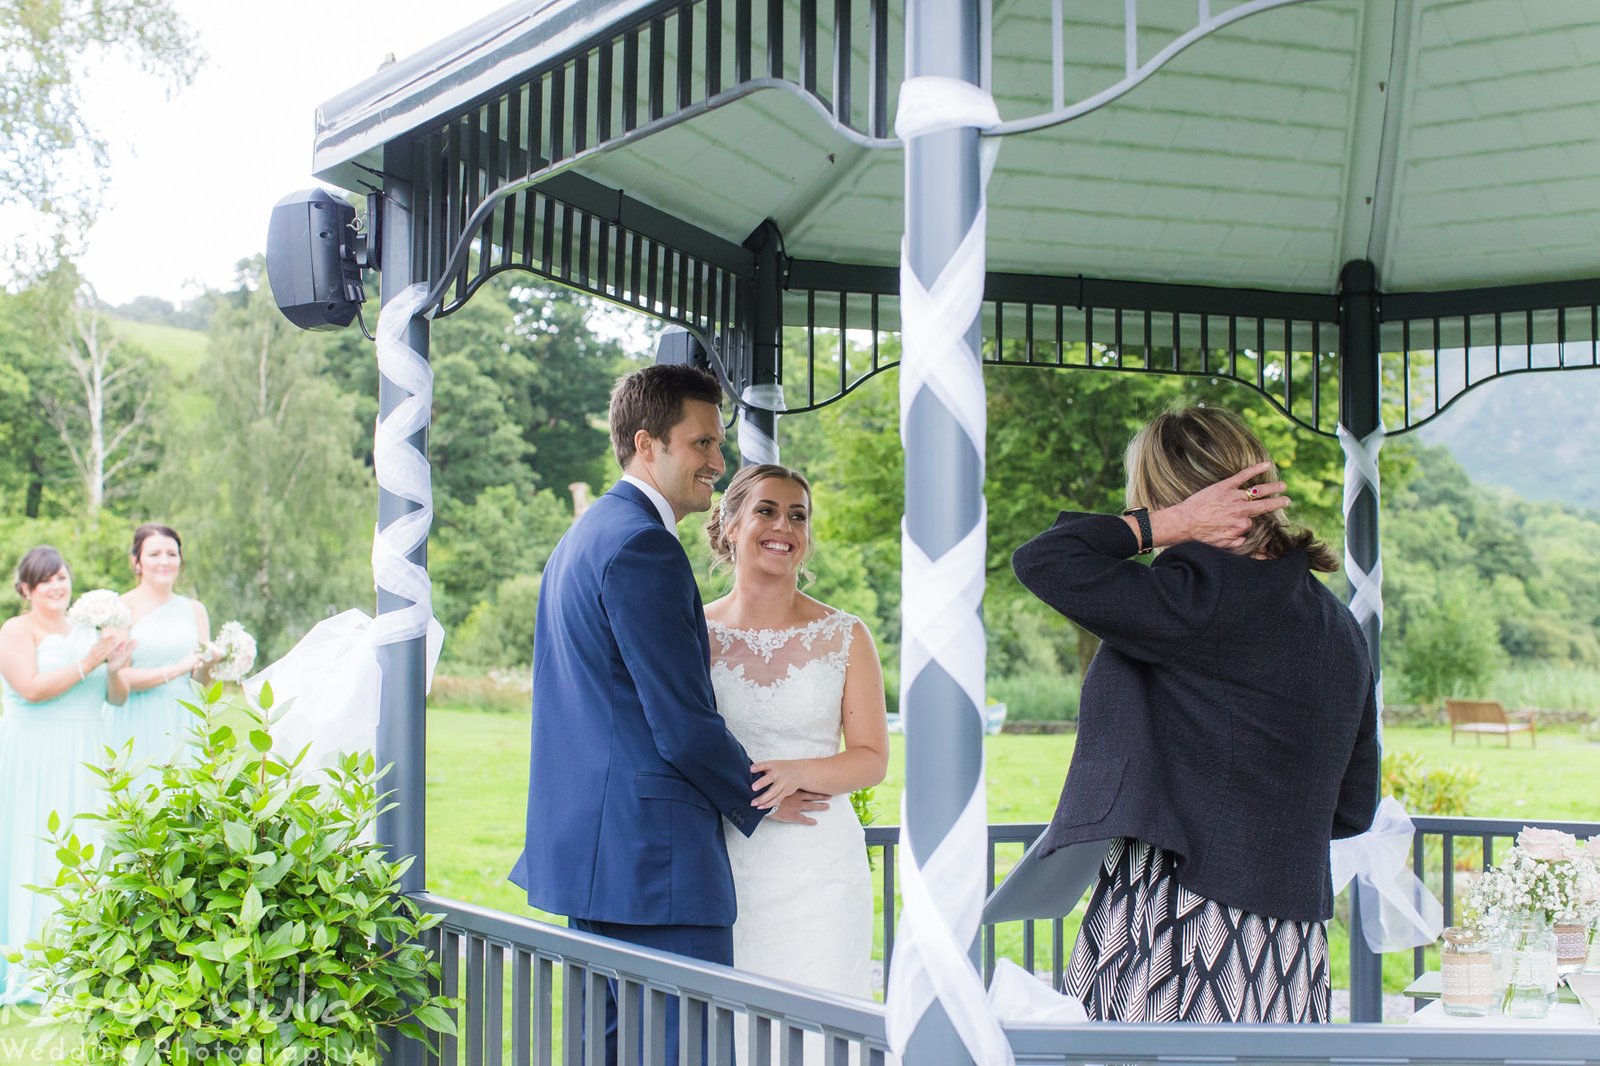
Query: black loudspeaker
[678, 347]
[311, 260]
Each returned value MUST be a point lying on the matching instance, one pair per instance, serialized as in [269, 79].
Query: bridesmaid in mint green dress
[169, 632]
[56, 681]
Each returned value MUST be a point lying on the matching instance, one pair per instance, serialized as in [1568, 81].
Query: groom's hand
[796, 804]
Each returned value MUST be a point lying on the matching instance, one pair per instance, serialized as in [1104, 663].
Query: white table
[1561, 1016]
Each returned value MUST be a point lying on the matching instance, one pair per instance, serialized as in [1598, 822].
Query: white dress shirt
[668, 519]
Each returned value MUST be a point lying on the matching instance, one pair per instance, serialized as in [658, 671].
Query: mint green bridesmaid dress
[153, 719]
[43, 749]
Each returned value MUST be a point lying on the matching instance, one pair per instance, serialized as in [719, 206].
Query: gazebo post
[944, 470]
[758, 428]
[1359, 420]
[402, 706]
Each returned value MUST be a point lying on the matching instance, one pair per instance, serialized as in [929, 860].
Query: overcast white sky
[193, 179]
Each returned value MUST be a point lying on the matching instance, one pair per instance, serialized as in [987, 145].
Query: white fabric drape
[327, 688]
[1397, 910]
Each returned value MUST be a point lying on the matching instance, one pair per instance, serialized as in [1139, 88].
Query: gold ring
[1250, 493]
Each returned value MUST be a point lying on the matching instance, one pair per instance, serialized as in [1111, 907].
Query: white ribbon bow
[1397, 910]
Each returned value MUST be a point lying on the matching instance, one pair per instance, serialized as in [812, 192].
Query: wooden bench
[1486, 716]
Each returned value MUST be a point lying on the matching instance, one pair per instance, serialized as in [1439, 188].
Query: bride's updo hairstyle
[1186, 449]
[726, 516]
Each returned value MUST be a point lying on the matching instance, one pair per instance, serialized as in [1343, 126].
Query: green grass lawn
[478, 777]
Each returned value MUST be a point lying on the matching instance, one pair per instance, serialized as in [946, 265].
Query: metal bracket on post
[1360, 420]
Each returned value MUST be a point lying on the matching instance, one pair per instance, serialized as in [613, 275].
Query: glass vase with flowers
[1548, 880]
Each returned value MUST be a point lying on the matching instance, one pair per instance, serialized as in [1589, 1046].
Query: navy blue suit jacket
[632, 768]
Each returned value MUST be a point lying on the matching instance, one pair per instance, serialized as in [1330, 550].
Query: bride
[793, 676]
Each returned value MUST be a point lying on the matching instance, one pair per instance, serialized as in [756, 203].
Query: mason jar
[1531, 956]
[1467, 974]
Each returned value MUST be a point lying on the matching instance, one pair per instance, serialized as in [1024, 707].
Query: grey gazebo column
[758, 427]
[402, 706]
[402, 698]
[944, 472]
[1360, 432]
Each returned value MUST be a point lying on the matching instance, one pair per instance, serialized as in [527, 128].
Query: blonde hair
[1185, 449]
[725, 517]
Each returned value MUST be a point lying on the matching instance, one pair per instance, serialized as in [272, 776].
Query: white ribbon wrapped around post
[328, 685]
[943, 894]
[755, 446]
[1397, 910]
[1366, 586]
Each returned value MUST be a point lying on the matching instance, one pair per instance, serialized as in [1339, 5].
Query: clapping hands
[114, 648]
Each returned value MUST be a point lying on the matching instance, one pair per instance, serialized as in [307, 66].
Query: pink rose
[1547, 845]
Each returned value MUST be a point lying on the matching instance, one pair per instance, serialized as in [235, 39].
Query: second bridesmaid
[169, 631]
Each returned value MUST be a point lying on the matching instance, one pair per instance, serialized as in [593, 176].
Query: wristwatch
[1147, 540]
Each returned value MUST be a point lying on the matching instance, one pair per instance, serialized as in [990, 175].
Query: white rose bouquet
[1547, 872]
[100, 609]
[233, 652]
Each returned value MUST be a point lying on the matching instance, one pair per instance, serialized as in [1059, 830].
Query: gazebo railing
[1439, 844]
[532, 989]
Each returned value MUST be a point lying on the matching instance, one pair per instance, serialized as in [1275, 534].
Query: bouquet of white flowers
[100, 609]
[235, 652]
[1547, 872]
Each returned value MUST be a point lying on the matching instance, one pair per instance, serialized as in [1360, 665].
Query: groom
[632, 768]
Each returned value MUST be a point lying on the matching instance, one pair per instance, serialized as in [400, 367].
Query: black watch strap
[1147, 540]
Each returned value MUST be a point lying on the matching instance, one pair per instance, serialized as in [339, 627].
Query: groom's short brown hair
[651, 399]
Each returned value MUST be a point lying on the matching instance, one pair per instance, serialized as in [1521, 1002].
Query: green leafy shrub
[499, 631]
[234, 910]
[1037, 696]
[1444, 790]
[1450, 647]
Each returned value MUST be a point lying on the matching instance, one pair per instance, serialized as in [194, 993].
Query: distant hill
[179, 350]
[1533, 433]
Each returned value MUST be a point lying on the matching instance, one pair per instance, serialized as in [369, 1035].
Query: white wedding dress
[804, 891]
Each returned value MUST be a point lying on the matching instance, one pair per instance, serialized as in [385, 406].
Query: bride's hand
[795, 807]
[776, 780]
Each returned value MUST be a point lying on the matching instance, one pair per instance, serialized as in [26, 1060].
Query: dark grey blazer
[1229, 716]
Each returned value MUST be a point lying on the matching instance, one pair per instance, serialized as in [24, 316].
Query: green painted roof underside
[1456, 143]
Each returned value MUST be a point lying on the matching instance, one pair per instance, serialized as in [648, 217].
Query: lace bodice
[780, 690]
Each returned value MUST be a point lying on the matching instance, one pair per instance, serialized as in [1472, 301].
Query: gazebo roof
[1452, 143]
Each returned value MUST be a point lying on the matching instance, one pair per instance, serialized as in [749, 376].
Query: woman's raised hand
[1220, 514]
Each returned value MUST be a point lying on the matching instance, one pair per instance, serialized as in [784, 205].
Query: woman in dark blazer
[1226, 733]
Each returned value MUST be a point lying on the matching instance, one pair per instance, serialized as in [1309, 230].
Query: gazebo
[1359, 208]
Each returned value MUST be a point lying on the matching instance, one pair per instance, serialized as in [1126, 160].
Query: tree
[274, 503]
[505, 532]
[521, 385]
[1451, 646]
[45, 51]
[102, 417]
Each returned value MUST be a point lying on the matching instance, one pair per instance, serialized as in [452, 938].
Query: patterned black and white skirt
[1149, 950]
